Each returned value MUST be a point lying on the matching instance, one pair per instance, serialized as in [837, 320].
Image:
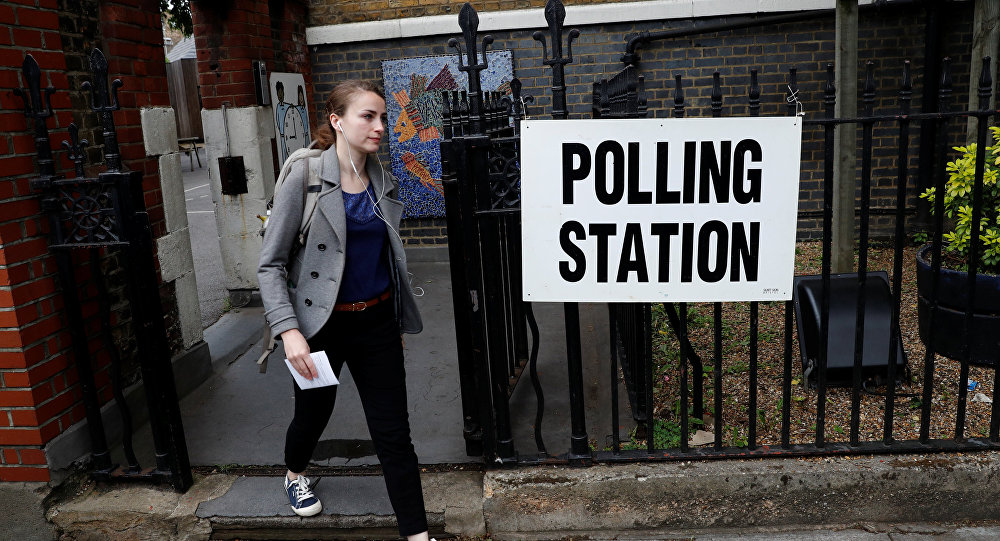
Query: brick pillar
[36, 394]
[229, 36]
[39, 391]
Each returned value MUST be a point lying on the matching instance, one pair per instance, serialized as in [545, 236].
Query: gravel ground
[736, 365]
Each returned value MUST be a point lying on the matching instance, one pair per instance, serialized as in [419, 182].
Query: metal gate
[108, 212]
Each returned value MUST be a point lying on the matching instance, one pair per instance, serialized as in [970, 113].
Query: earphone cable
[417, 291]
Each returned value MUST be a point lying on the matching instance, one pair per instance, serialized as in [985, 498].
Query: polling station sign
[659, 210]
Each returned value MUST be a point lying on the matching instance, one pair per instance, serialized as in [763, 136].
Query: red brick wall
[133, 42]
[229, 39]
[39, 391]
[34, 391]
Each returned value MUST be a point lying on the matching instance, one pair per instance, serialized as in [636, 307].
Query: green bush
[958, 207]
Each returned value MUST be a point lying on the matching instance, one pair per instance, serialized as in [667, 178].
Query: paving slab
[23, 513]
[239, 416]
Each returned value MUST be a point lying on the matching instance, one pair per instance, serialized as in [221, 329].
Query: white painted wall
[250, 132]
[159, 134]
[611, 12]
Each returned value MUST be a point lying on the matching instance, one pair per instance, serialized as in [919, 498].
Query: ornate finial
[754, 94]
[99, 92]
[868, 91]
[716, 95]
[555, 14]
[516, 104]
[75, 149]
[105, 107]
[678, 97]
[468, 20]
[33, 98]
[985, 85]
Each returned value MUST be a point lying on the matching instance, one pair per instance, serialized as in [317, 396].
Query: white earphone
[417, 291]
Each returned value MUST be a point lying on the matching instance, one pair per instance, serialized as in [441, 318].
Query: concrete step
[354, 507]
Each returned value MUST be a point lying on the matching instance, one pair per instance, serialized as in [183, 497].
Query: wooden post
[845, 146]
[985, 42]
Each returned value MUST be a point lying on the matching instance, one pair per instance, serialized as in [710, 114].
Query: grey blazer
[301, 293]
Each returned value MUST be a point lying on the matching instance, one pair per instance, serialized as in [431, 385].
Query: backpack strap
[310, 195]
[269, 348]
[312, 185]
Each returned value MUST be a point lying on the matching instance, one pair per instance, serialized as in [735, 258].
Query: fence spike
[716, 95]
[868, 91]
[944, 92]
[754, 99]
[641, 107]
[985, 85]
[905, 90]
[678, 97]
[517, 103]
[793, 91]
[830, 91]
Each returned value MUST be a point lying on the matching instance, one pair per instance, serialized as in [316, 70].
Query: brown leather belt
[361, 305]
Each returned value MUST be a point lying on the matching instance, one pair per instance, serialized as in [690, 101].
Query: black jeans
[369, 342]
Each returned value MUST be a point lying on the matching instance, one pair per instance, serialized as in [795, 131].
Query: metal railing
[487, 375]
[107, 212]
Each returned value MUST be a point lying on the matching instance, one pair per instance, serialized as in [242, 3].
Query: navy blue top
[366, 274]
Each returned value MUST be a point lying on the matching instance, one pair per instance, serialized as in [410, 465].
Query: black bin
[807, 294]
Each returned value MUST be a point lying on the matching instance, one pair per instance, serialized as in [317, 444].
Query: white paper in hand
[325, 373]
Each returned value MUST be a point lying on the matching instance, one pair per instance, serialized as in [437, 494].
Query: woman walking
[345, 291]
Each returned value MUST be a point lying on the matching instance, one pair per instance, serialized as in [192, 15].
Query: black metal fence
[484, 237]
[107, 212]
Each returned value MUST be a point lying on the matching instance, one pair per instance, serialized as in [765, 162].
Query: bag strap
[312, 185]
[269, 348]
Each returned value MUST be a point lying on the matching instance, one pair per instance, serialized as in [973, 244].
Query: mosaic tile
[413, 104]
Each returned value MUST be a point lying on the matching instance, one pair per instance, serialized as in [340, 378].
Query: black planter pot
[949, 337]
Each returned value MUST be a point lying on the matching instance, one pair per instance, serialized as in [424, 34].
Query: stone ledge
[547, 503]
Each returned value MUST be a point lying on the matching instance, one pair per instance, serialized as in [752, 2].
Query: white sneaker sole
[313, 509]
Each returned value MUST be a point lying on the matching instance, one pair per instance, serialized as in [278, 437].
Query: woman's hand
[297, 352]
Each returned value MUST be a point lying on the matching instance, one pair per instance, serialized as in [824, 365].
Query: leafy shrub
[958, 207]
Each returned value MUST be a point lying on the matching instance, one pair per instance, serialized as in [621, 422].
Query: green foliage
[666, 434]
[958, 206]
[178, 15]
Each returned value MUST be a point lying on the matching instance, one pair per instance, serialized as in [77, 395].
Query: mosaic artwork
[413, 102]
